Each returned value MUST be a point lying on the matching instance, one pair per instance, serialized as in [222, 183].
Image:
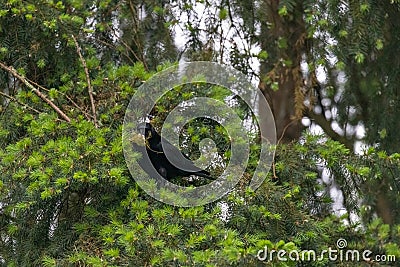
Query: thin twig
[89, 84]
[274, 171]
[19, 102]
[35, 90]
[284, 130]
[87, 115]
[129, 49]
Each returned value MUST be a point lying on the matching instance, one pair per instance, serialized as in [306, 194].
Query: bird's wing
[185, 163]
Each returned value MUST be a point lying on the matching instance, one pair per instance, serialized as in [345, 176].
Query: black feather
[157, 146]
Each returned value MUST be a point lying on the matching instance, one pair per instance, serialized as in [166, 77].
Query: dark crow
[156, 147]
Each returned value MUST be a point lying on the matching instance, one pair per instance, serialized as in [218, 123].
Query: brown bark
[284, 35]
[384, 208]
[383, 204]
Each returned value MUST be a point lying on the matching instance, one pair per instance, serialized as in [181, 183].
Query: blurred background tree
[69, 69]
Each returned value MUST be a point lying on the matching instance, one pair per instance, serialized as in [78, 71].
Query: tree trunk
[283, 36]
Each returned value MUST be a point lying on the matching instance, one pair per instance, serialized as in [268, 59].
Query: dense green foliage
[66, 196]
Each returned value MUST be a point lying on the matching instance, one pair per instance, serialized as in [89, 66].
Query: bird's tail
[204, 173]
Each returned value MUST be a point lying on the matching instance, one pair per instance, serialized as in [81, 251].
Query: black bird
[156, 152]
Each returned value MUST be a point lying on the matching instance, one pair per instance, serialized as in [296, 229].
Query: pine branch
[19, 102]
[90, 88]
[13, 72]
[87, 115]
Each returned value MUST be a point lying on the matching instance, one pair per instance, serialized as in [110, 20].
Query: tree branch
[89, 84]
[19, 102]
[87, 115]
[35, 90]
[326, 126]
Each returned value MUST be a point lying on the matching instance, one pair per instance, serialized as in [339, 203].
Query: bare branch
[35, 90]
[284, 130]
[89, 84]
[326, 126]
